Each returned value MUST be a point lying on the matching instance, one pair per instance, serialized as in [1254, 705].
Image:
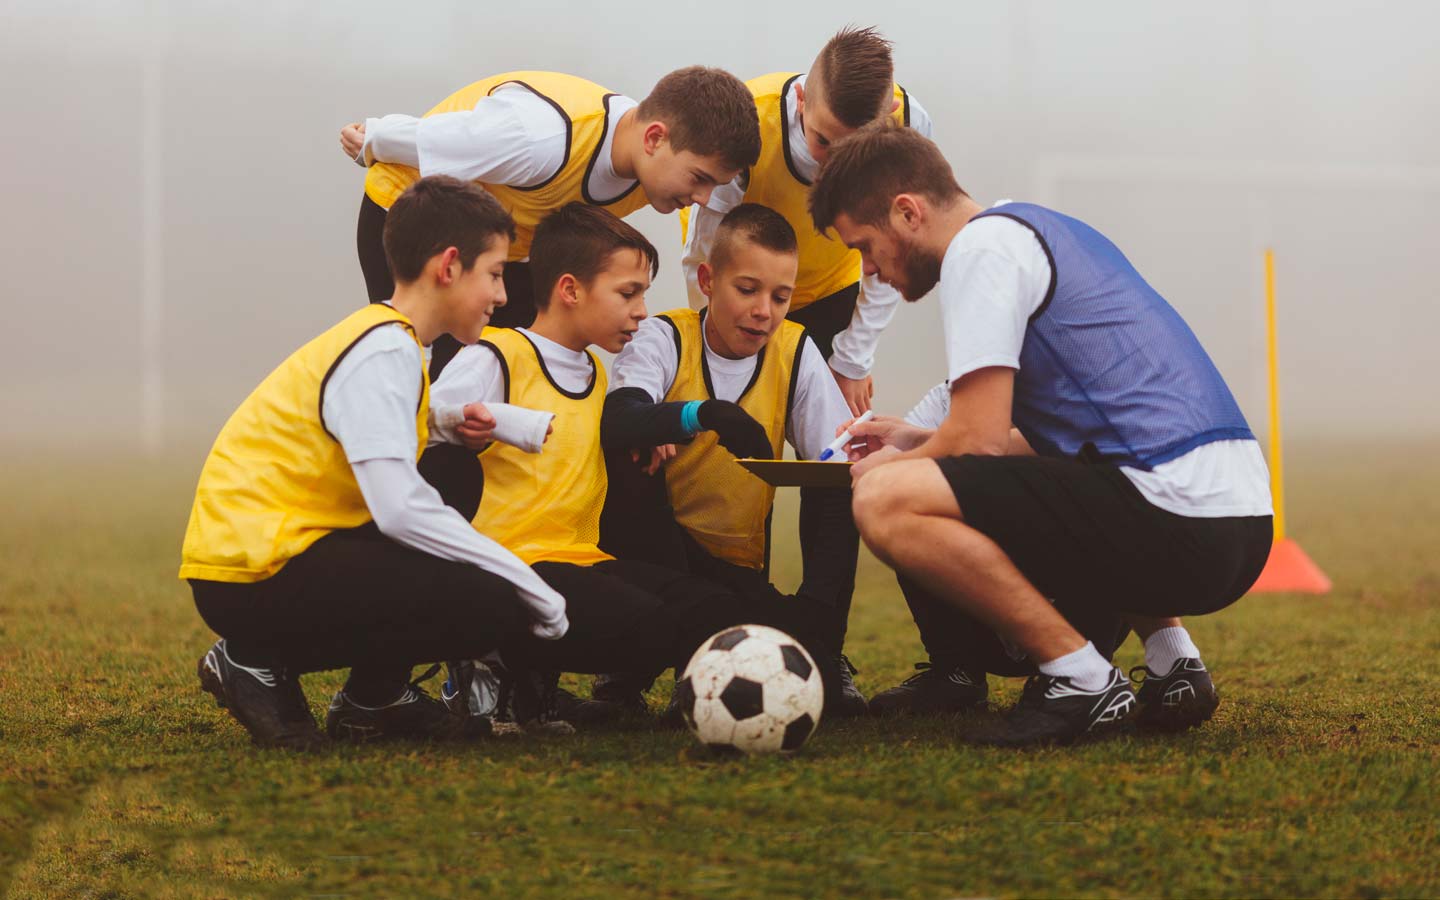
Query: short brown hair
[857, 75]
[578, 239]
[437, 212]
[759, 225]
[866, 171]
[707, 111]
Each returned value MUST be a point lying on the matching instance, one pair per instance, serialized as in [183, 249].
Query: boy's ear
[654, 135]
[447, 266]
[568, 289]
[705, 279]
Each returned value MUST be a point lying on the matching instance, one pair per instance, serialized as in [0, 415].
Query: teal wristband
[690, 417]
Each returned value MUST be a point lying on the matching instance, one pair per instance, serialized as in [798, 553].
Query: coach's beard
[922, 271]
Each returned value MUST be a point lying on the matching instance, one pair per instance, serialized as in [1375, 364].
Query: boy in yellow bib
[801, 114]
[591, 274]
[539, 140]
[314, 543]
[736, 379]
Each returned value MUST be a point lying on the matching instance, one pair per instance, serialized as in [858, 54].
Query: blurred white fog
[177, 215]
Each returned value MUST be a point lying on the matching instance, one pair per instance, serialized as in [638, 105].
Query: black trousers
[357, 599]
[828, 316]
[638, 523]
[519, 308]
[632, 614]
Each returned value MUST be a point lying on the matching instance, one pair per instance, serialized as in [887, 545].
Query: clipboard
[799, 472]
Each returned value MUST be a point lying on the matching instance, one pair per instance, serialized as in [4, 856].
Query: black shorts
[1083, 534]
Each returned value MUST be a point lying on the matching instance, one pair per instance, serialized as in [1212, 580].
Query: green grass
[1319, 775]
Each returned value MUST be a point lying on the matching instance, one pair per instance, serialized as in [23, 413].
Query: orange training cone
[1289, 569]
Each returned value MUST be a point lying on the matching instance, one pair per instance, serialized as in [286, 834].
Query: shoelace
[1144, 674]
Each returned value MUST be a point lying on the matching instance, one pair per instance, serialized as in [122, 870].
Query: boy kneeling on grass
[315, 544]
[544, 502]
[736, 379]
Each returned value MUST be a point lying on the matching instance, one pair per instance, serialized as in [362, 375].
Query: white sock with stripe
[1166, 646]
[1085, 668]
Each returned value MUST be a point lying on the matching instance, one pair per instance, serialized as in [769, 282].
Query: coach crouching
[1092, 453]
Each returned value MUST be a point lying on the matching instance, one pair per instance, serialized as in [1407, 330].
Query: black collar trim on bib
[785, 131]
[705, 363]
[540, 357]
[569, 133]
[594, 157]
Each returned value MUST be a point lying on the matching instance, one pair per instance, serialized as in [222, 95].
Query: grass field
[1319, 776]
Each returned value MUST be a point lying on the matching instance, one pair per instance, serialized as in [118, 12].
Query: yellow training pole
[1277, 467]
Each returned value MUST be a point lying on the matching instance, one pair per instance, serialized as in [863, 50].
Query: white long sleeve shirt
[369, 405]
[511, 137]
[854, 348]
[650, 363]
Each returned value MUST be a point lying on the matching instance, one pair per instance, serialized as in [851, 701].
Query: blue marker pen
[845, 437]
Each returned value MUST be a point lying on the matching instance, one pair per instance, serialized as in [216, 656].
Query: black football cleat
[414, 714]
[268, 702]
[1054, 710]
[597, 711]
[933, 690]
[1182, 698]
[842, 698]
[530, 700]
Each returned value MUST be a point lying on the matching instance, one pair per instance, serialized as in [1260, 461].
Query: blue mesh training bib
[1108, 369]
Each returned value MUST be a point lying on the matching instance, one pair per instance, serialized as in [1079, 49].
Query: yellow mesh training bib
[545, 507]
[585, 107]
[276, 481]
[725, 508]
[826, 264]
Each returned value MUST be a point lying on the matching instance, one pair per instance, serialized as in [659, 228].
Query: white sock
[1166, 646]
[1085, 668]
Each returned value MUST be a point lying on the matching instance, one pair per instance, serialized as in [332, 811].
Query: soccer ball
[753, 689]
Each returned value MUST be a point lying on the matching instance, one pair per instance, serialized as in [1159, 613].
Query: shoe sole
[346, 733]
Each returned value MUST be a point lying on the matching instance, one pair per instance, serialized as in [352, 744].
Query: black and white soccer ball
[751, 688]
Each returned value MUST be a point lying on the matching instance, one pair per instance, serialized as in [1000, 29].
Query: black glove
[737, 431]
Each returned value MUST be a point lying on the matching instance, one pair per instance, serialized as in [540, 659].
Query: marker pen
[845, 437]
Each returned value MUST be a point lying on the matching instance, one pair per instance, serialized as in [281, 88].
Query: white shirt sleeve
[919, 118]
[374, 388]
[474, 375]
[818, 407]
[854, 348]
[409, 511]
[391, 139]
[511, 137]
[933, 408]
[701, 234]
[648, 362]
[994, 277]
[369, 405]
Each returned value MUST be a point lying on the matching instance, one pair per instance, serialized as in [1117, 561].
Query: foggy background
[177, 214]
